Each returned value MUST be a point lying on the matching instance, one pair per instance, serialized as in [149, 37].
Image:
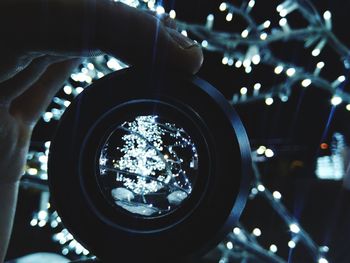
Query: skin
[42, 41]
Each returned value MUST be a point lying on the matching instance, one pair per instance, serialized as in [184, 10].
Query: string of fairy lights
[251, 48]
[246, 50]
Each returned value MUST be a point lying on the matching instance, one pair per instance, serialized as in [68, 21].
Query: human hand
[42, 41]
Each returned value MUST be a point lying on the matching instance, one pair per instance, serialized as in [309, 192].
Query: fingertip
[187, 55]
[146, 40]
[195, 59]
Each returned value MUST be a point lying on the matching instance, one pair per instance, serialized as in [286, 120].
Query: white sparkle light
[90, 66]
[267, 24]
[67, 89]
[291, 244]
[160, 10]
[320, 64]
[283, 22]
[223, 6]
[341, 78]
[114, 64]
[336, 100]
[294, 228]
[204, 43]
[306, 82]
[229, 245]
[257, 86]
[230, 62]
[224, 60]
[256, 59]
[245, 33]
[79, 89]
[283, 13]
[243, 91]
[238, 64]
[277, 195]
[257, 232]
[261, 149]
[172, 14]
[290, 72]
[261, 188]
[251, 3]
[316, 52]
[33, 222]
[273, 248]
[269, 101]
[42, 215]
[327, 15]
[278, 69]
[32, 171]
[269, 153]
[263, 36]
[236, 230]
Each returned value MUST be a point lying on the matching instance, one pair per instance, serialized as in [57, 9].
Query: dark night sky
[296, 128]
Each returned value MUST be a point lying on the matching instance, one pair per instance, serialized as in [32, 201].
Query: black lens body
[221, 185]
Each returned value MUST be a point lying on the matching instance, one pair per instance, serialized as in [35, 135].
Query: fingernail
[183, 41]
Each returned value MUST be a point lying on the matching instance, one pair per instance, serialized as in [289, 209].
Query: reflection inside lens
[148, 166]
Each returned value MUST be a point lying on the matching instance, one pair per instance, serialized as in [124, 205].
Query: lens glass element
[148, 166]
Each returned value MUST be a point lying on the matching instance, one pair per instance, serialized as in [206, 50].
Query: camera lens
[147, 166]
[162, 158]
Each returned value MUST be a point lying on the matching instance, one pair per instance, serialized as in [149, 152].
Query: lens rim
[227, 187]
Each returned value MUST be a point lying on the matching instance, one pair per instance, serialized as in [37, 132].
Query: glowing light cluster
[154, 164]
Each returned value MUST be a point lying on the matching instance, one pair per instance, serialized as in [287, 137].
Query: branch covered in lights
[252, 47]
[248, 241]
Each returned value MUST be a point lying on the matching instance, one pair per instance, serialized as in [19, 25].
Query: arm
[42, 42]
[8, 193]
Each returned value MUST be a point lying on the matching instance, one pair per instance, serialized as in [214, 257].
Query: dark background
[293, 129]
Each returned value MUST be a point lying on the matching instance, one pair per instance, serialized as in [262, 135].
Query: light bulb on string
[317, 50]
[263, 36]
[294, 228]
[172, 14]
[278, 69]
[223, 6]
[273, 248]
[290, 72]
[269, 101]
[338, 81]
[336, 100]
[245, 33]
[256, 87]
[327, 16]
[291, 244]
[306, 82]
[284, 24]
[210, 21]
[319, 66]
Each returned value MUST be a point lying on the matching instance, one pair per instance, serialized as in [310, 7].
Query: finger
[143, 40]
[31, 104]
[82, 26]
[164, 18]
[13, 62]
[18, 84]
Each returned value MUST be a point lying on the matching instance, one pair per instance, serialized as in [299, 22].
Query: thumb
[143, 39]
